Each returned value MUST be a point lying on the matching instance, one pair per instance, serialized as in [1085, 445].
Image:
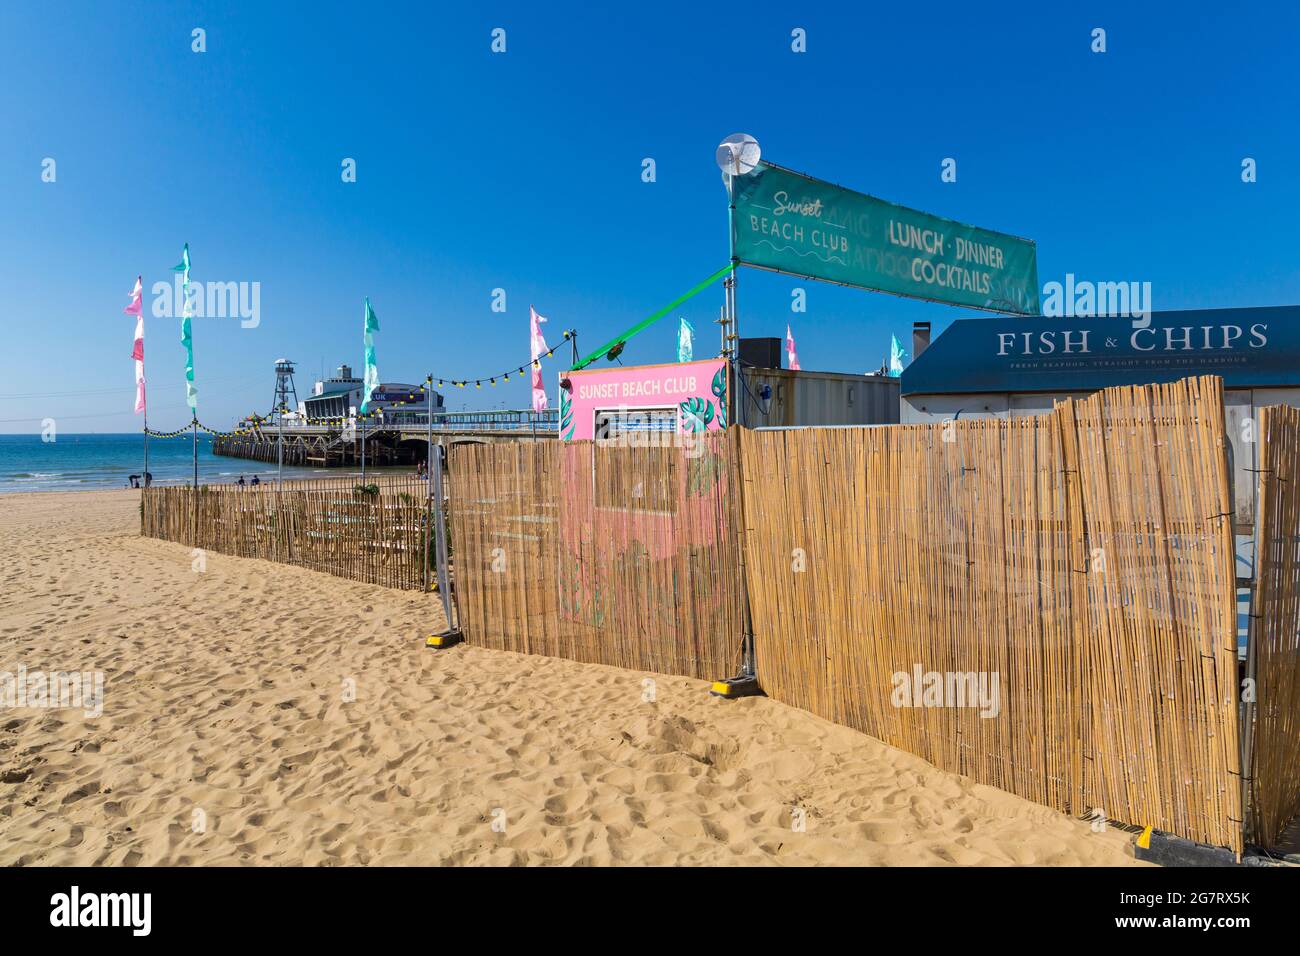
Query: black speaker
[760, 353]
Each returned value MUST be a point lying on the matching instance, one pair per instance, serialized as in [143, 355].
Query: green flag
[187, 329]
[372, 373]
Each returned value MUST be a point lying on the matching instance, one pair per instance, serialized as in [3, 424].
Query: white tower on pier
[286, 396]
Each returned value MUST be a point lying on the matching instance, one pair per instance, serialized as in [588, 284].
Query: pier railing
[392, 439]
[408, 419]
[502, 420]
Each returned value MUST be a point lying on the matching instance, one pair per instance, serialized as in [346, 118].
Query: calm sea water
[85, 462]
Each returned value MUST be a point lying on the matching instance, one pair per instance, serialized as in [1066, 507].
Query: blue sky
[523, 171]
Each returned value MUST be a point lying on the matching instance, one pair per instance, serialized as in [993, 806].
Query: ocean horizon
[101, 461]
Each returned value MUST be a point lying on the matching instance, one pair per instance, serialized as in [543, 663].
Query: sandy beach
[260, 714]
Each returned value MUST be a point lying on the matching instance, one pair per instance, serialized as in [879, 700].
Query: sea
[91, 462]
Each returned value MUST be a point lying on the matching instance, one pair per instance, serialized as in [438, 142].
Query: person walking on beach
[240, 482]
[256, 480]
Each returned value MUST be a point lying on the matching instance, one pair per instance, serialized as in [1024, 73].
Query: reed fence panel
[601, 552]
[1162, 690]
[1045, 604]
[1275, 747]
[330, 525]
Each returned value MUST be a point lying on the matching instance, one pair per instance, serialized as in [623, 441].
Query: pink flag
[538, 343]
[792, 357]
[137, 294]
[137, 353]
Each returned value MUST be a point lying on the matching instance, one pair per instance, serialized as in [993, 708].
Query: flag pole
[194, 424]
[747, 669]
[279, 448]
[428, 454]
[144, 479]
[729, 286]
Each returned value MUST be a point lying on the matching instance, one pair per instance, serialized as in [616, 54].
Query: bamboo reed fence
[379, 535]
[1083, 560]
[1274, 776]
[601, 552]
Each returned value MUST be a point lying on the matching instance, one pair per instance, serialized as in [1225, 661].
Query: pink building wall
[596, 539]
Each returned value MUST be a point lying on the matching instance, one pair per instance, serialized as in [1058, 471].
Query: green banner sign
[792, 223]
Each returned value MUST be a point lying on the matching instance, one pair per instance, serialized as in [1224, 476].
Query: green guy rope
[653, 317]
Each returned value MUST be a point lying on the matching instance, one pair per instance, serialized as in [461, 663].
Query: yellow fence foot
[443, 641]
[734, 687]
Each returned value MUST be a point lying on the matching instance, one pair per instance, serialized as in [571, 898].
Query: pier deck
[398, 441]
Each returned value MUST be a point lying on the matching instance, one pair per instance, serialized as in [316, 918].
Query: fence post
[450, 634]
[424, 534]
[1065, 424]
[1246, 719]
[745, 683]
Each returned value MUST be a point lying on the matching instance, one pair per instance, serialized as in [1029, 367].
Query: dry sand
[225, 694]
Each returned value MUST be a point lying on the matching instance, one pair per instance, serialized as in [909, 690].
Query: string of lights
[179, 432]
[491, 380]
[175, 434]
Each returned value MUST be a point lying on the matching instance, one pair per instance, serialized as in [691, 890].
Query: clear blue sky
[523, 171]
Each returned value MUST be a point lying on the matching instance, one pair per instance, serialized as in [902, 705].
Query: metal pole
[428, 436]
[729, 290]
[747, 667]
[1246, 715]
[279, 462]
[363, 449]
[194, 424]
[144, 479]
[280, 529]
[440, 532]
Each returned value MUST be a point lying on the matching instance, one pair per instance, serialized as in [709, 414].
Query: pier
[399, 441]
